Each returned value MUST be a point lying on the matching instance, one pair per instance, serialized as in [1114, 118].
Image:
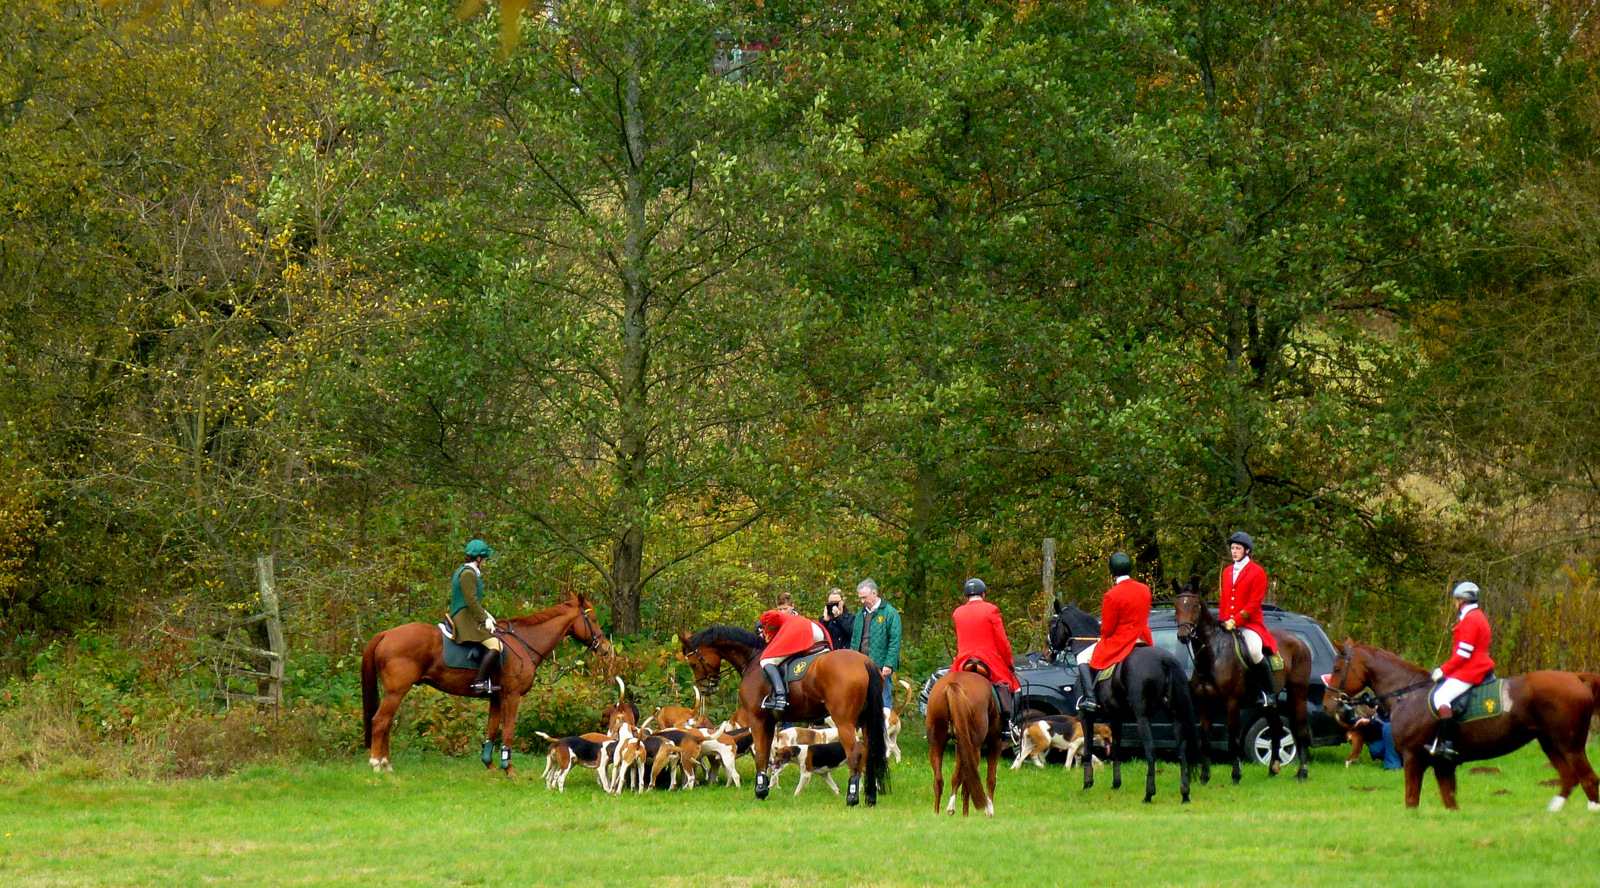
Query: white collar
[1466, 610]
[1119, 580]
[867, 609]
[1239, 565]
[474, 567]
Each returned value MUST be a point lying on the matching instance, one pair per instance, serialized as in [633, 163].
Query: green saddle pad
[1488, 700]
[1105, 674]
[462, 656]
[796, 668]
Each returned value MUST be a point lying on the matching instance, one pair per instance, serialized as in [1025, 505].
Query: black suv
[1051, 687]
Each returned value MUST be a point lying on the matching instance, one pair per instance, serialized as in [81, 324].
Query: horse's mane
[543, 616]
[735, 634]
[1394, 658]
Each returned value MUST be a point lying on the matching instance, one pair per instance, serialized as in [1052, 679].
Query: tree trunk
[627, 550]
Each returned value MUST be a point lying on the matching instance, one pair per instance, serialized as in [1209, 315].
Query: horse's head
[1188, 609]
[586, 629]
[704, 661]
[1349, 673]
[1059, 634]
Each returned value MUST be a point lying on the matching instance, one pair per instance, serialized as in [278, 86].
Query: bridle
[713, 677]
[538, 659]
[1344, 673]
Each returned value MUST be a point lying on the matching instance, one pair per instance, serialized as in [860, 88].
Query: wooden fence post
[267, 583]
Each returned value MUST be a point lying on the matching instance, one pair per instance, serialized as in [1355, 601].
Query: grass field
[438, 821]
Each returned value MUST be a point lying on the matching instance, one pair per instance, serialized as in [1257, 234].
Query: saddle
[795, 667]
[1490, 699]
[458, 655]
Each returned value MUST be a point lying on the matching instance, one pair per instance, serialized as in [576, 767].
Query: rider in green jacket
[470, 622]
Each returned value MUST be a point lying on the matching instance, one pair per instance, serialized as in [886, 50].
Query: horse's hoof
[1186, 798]
[1148, 798]
[1557, 803]
[1302, 776]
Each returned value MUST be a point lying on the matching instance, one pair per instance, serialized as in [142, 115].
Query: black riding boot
[1008, 709]
[1444, 739]
[779, 700]
[1087, 702]
[482, 684]
[1261, 673]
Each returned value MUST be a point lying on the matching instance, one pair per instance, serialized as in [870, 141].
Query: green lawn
[439, 821]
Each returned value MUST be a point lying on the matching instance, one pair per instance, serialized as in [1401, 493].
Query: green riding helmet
[479, 549]
[1121, 565]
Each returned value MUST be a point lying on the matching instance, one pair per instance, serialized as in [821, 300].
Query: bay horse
[963, 704]
[1221, 686]
[1551, 707]
[844, 684]
[413, 654]
[1148, 684]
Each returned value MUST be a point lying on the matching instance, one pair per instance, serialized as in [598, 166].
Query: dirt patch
[1501, 792]
[1553, 781]
[1484, 769]
[1364, 788]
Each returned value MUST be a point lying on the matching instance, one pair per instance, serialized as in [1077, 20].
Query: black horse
[1068, 623]
[1147, 685]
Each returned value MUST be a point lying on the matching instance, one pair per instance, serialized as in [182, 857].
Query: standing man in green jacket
[470, 622]
[877, 634]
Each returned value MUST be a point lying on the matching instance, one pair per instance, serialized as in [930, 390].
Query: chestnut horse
[844, 684]
[1551, 707]
[414, 654]
[1221, 687]
[963, 704]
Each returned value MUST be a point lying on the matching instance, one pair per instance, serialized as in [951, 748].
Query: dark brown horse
[1221, 687]
[844, 684]
[414, 654]
[963, 704]
[1553, 708]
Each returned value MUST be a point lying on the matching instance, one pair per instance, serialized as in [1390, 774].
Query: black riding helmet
[1121, 565]
[1242, 539]
[975, 588]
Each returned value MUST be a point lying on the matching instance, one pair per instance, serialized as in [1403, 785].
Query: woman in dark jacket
[837, 620]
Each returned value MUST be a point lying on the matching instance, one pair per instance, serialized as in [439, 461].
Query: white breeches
[1448, 690]
[817, 637]
[1087, 654]
[1252, 644]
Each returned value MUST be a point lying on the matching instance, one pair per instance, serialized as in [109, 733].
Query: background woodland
[682, 304]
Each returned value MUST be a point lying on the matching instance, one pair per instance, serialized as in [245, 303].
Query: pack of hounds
[678, 746]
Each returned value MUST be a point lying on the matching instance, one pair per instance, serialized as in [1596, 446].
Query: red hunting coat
[788, 634]
[1241, 602]
[1469, 660]
[981, 636]
[1124, 621]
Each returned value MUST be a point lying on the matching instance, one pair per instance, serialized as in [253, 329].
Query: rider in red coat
[1469, 665]
[1124, 622]
[787, 634]
[981, 638]
[1244, 587]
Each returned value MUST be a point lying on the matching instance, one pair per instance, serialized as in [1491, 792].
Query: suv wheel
[1258, 744]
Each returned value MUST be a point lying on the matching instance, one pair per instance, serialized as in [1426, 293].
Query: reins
[537, 659]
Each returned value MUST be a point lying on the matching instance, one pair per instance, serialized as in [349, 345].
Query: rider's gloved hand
[1438, 673]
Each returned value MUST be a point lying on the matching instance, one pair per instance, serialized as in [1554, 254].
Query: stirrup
[1442, 750]
[774, 703]
[487, 686]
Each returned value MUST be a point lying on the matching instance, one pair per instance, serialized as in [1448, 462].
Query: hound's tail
[906, 703]
[1183, 712]
[622, 691]
[548, 739]
[699, 703]
[870, 723]
[964, 725]
[369, 688]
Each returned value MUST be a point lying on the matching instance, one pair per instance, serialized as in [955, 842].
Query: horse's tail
[1183, 711]
[1593, 681]
[369, 688]
[871, 723]
[964, 725]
